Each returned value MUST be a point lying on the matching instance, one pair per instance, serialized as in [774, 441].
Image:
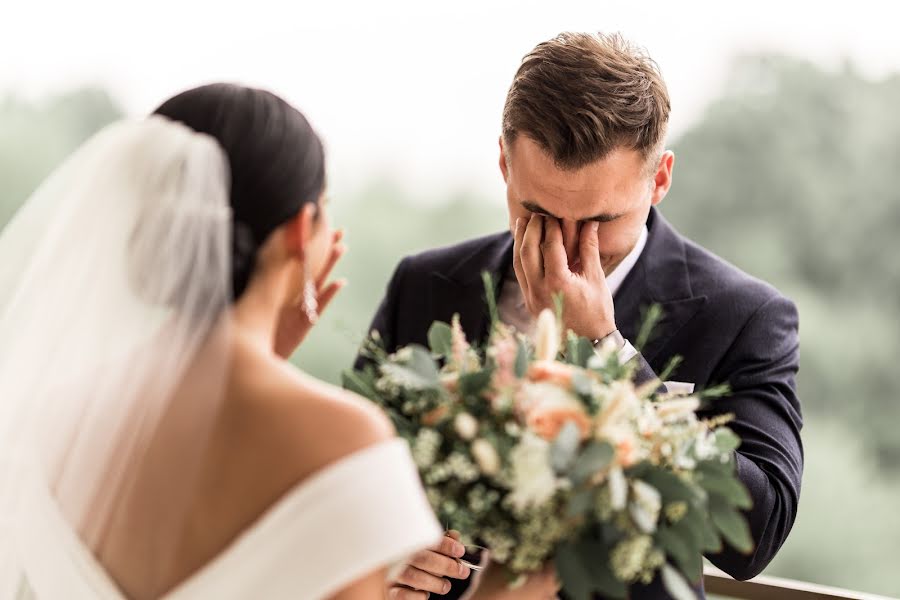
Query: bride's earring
[307, 300]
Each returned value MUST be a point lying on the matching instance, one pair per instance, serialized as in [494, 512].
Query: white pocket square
[679, 388]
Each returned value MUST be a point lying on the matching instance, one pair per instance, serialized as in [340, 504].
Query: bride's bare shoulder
[296, 415]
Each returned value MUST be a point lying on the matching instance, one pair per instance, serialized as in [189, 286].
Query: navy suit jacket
[727, 326]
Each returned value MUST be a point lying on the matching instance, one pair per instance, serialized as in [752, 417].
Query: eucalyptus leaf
[580, 504]
[586, 563]
[440, 339]
[564, 447]
[682, 549]
[726, 440]
[473, 384]
[575, 578]
[672, 487]
[407, 377]
[595, 457]
[733, 526]
[422, 363]
[361, 383]
[595, 557]
[726, 486]
[522, 361]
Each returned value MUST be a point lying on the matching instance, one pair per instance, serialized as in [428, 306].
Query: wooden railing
[764, 587]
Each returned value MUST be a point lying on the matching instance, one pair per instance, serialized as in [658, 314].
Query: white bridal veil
[114, 281]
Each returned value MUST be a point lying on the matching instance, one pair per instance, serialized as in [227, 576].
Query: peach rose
[548, 418]
[433, 417]
[450, 381]
[552, 372]
[626, 451]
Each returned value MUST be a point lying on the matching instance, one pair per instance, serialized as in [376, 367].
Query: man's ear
[504, 166]
[662, 180]
[300, 230]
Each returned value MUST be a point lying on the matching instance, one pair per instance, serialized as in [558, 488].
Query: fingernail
[459, 550]
[446, 586]
[464, 571]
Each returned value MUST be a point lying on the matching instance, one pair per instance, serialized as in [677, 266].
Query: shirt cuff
[627, 352]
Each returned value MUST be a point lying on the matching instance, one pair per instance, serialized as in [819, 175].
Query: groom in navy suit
[582, 154]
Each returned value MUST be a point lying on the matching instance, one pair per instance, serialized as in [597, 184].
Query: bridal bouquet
[544, 449]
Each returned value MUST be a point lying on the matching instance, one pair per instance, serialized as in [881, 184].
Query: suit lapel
[461, 289]
[659, 277]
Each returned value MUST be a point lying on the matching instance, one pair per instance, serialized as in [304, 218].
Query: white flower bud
[486, 456]
[678, 408]
[618, 488]
[546, 343]
[466, 426]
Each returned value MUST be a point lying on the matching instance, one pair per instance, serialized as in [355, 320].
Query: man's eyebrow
[603, 218]
[538, 209]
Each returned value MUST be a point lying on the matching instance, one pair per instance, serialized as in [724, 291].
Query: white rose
[466, 426]
[534, 481]
[486, 456]
[532, 395]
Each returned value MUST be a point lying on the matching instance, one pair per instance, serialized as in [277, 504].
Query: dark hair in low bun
[277, 161]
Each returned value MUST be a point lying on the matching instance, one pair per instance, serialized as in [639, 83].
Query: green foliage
[564, 449]
[594, 458]
[577, 562]
[440, 339]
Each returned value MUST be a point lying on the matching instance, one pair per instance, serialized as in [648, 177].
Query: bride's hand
[494, 585]
[293, 323]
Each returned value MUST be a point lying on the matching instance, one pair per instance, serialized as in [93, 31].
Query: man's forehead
[573, 202]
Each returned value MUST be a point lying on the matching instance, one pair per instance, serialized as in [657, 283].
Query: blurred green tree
[789, 175]
[36, 137]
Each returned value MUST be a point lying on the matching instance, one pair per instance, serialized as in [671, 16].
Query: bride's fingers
[418, 579]
[327, 294]
[337, 251]
[404, 593]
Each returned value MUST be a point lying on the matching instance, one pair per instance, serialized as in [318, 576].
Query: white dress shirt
[514, 313]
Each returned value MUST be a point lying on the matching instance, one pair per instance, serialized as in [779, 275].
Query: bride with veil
[154, 441]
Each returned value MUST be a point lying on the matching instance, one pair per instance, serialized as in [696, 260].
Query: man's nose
[570, 231]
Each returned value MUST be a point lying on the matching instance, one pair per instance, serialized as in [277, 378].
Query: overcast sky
[412, 89]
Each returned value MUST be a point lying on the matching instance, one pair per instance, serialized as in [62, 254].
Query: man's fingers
[517, 255]
[418, 579]
[532, 261]
[404, 593]
[556, 263]
[589, 249]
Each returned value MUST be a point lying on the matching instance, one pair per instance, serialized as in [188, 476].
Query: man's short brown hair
[579, 96]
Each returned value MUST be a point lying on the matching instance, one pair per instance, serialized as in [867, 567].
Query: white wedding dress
[359, 514]
[116, 275]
